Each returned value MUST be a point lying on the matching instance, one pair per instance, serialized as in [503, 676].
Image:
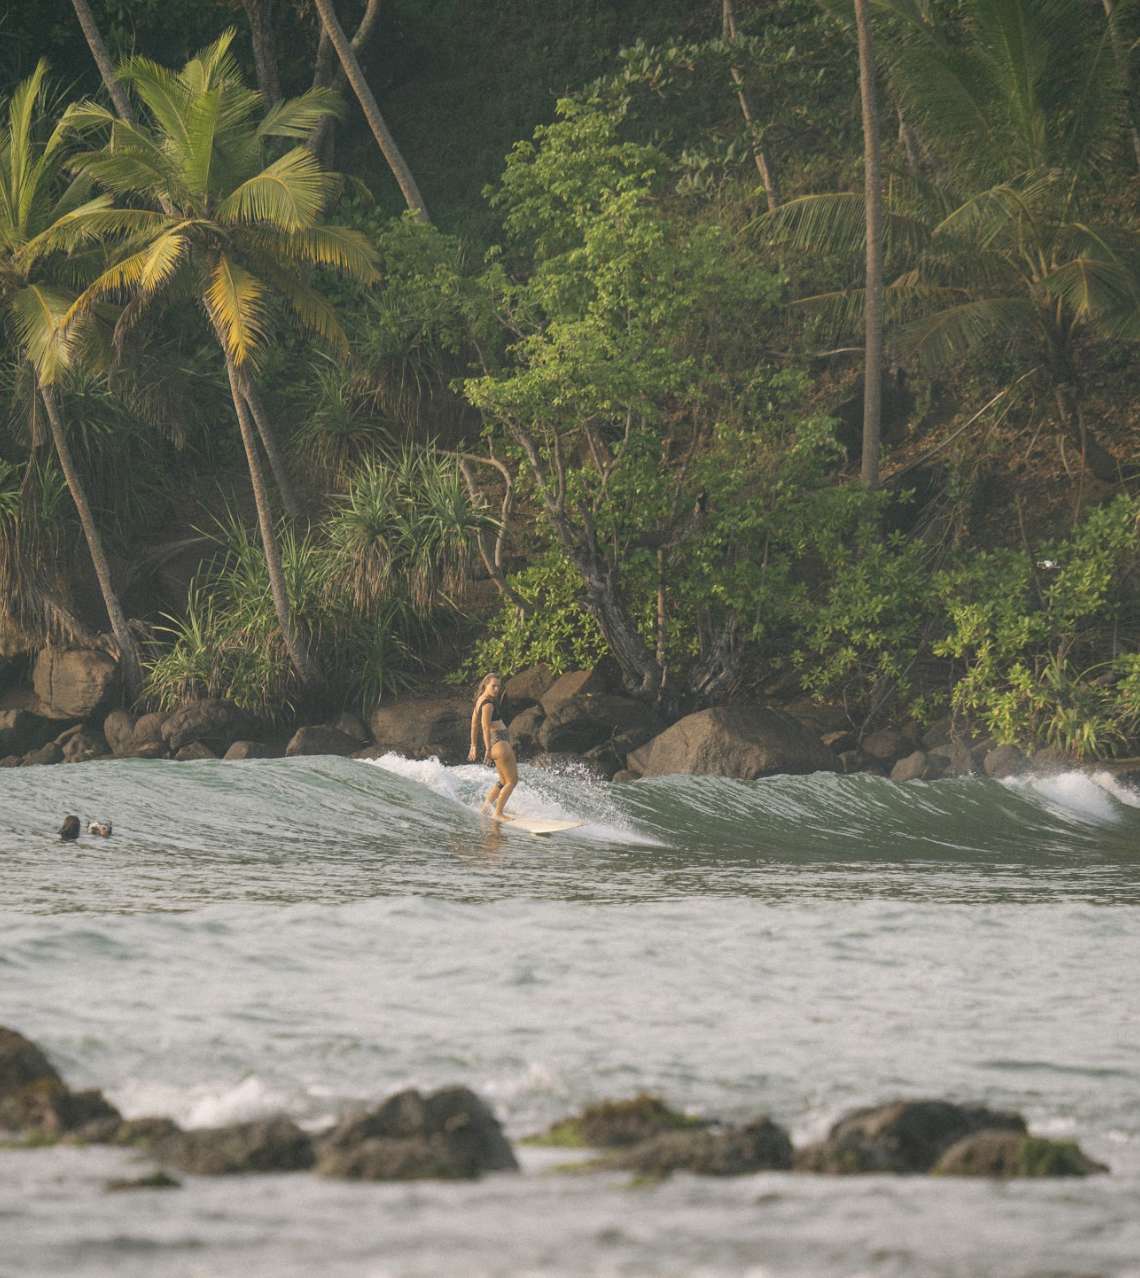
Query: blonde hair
[486, 680]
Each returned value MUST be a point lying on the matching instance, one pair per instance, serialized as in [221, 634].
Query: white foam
[1090, 797]
[206, 1105]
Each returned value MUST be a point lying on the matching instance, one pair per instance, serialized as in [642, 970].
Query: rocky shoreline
[577, 722]
[451, 1134]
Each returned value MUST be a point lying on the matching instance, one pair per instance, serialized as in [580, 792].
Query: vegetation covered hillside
[766, 347]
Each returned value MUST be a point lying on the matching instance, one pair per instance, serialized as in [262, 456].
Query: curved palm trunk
[384, 139]
[321, 140]
[272, 449]
[128, 650]
[103, 60]
[873, 183]
[295, 644]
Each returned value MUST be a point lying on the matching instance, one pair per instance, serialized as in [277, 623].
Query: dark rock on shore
[579, 723]
[524, 729]
[321, 739]
[268, 1145]
[1005, 761]
[450, 1133]
[745, 742]
[135, 1133]
[526, 689]
[903, 1137]
[192, 751]
[119, 730]
[214, 723]
[419, 727]
[251, 750]
[739, 1151]
[76, 682]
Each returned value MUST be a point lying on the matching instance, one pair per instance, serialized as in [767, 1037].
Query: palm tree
[36, 295]
[364, 95]
[237, 234]
[1026, 117]
[873, 198]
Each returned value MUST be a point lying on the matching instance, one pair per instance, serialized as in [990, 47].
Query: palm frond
[289, 194]
[298, 117]
[314, 311]
[164, 94]
[236, 301]
[952, 332]
[338, 247]
[94, 220]
[37, 313]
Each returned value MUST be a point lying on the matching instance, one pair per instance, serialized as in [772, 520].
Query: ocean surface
[309, 935]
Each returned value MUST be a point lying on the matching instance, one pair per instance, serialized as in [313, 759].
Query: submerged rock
[267, 1145]
[615, 1124]
[905, 1136]
[1007, 1154]
[33, 1097]
[447, 1134]
[760, 1146]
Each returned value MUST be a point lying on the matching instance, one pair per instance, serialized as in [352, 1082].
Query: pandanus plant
[39, 212]
[225, 221]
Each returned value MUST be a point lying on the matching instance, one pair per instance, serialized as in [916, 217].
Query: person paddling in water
[487, 721]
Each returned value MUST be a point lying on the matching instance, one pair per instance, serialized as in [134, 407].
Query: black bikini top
[496, 712]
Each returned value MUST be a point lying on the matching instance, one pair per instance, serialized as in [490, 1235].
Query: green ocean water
[309, 935]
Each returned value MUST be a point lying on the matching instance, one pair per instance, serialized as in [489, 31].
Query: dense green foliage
[610, 380]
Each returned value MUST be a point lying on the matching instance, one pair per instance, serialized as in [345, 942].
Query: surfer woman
[487, 719]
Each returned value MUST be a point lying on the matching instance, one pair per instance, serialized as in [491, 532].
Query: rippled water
[307, 935]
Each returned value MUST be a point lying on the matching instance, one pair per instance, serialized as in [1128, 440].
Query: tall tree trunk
[295, 644]
[264, 40]
[763, 163]
[103, 60]
[384, 139]
[128, 650]
[1120, 50]
[324, 77]
[873, 187]
[268, 433]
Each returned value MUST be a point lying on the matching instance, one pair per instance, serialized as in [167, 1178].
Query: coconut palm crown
[226, 222]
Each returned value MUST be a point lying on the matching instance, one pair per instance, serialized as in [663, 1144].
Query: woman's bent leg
[508, 768]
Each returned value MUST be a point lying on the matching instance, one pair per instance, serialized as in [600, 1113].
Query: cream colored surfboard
[539, 825]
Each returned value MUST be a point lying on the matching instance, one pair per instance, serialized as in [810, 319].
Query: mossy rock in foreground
[1006, 1155]
[615, 1124]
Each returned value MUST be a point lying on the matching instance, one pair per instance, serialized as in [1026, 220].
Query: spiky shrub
[229, 644]
[407, 522]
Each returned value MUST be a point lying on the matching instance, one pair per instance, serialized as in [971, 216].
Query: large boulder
[251, 750]
[87, 743]
[739, 1151]
[119, 729]
[450, 1133]
[581, 722]
[76, 682]
[213, 722]
[746, 742]
[321, 739]
[524, 729]
[267, 1145]
[579, 683]
[418, 727]
[22, 1063]
[904, 1136]
[526, 689]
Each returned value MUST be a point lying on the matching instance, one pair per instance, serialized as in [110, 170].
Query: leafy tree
[658, 446]
[37, 292]
[235, 233]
